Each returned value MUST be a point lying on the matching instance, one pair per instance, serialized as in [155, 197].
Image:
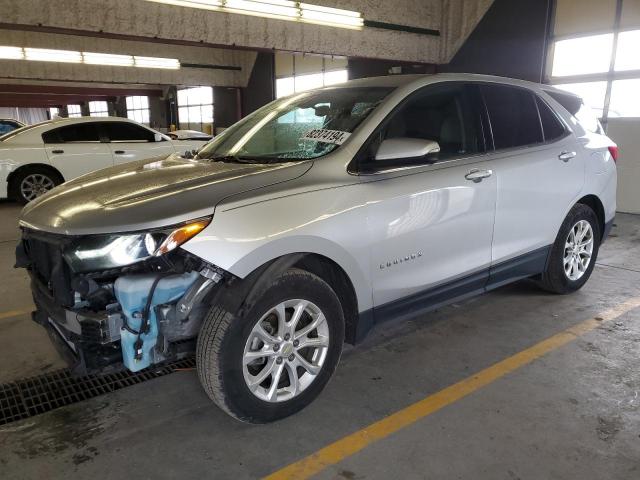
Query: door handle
[476, 175]
[57, 152]
[566, 156]
[119, 152]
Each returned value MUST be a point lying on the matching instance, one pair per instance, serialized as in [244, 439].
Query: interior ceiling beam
[76, 91]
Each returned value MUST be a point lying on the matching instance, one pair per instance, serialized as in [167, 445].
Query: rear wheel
[277, 358]
[573, 255]
[33, 182]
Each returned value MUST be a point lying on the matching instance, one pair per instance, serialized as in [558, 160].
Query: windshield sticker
[336, 137]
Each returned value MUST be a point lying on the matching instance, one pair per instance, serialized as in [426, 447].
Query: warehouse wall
[626, 133]
[510, 41]
[454, 18]
[148, 19]
[261, 88]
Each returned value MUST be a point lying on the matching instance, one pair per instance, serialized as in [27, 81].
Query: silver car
[312, 220]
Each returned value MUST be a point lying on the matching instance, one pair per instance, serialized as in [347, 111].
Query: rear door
[76, 149]
[130, 142]
[539, 172]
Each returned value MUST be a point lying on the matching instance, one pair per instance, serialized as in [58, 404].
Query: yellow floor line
[353, 443]
[14, 313]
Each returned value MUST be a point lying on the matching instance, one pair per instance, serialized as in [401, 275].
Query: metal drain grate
[32, 396]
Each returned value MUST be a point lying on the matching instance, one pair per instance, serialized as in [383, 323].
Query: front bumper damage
[95, 321]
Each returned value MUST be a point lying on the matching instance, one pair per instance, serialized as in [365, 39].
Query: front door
[431, 224]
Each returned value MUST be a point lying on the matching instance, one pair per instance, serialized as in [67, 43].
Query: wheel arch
[238, 294]
[593, 202]
[30, 166]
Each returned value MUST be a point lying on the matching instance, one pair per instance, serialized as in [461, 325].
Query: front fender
[243, 265]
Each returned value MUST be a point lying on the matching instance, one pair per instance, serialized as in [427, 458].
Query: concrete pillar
[226, 106]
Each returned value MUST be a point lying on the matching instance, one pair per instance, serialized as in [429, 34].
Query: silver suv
[313, 219]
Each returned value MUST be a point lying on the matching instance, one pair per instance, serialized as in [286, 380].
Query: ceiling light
[154, 62]
[274, 8]
[46, 55]
[279, 9]
[12, 53]
[331, 16]
[88, 58]
[204, 4]
[108, 59]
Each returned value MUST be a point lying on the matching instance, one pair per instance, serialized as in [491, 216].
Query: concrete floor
[574, 413]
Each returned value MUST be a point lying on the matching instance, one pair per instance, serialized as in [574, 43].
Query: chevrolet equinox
[313, 219]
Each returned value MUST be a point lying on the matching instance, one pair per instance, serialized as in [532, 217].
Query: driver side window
[446, 114]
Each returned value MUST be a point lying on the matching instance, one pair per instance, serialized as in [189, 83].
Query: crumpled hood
[148, 194]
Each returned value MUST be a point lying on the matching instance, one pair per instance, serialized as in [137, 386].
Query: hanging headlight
[102, 252]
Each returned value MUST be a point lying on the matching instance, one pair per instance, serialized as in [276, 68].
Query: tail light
[613, 150]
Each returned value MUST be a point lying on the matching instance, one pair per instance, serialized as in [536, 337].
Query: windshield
[304, 126]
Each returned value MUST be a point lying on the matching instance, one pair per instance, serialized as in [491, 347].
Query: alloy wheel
[578, 250]
[35, 185]
[286, 350]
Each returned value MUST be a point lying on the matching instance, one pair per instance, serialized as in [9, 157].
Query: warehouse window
[98, 109]
[625, 98]
[74, 111]
[138, 109]
[299, 73]
[290, 85]
[627, 57]
[595, 55]
[592, 93]
[579, 56]
[54, 112]
[195, 109]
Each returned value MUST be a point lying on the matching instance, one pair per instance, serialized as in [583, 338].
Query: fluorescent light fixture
[279, 9]
[331, 16]
[154, 62]
[91, 58]
[11, 53]
[47, 55]
[274, 8]
[88, 58]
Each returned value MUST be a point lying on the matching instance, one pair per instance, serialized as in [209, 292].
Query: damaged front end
[141, 306]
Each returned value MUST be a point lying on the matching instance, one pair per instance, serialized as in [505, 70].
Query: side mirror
[406, 148]
[157, 137]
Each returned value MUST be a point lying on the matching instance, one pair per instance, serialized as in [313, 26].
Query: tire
[555, 278]
[225, 340]
[44, 179]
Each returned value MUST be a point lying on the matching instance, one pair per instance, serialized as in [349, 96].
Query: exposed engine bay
[132, 317]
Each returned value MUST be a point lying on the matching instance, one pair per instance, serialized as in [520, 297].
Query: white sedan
[36, 158]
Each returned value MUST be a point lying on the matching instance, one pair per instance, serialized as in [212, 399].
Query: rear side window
[81, 132]
[127, 132]
[576, 107]
[551, 125]
[513, 115]
[7, 126]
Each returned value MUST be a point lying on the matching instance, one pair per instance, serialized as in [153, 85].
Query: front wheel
[276, 359]
[573, 255]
